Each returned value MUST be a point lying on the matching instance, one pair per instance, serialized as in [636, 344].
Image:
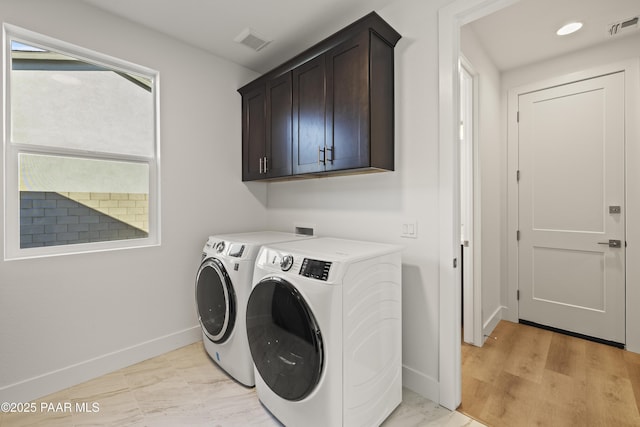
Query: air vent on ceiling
[623, 27]
[251, 39]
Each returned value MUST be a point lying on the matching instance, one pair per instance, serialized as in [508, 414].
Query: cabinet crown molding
[370, 22]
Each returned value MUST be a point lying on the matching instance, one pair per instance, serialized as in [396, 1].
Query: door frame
[450, 18]
[631, 68]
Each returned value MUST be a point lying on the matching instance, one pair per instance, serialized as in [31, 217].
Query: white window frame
[11, 151]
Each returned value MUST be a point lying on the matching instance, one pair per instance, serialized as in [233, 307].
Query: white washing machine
[223, 284]
[324, 323]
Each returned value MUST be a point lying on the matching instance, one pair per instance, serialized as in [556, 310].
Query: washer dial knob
[286, 263]
[219, 247]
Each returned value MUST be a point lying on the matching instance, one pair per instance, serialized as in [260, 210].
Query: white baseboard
[42, 385]
[491, 323]
[420, 383]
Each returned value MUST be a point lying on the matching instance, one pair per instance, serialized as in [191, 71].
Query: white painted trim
[492, 322]
[450, 387]
[632, 124]
[512, 208]
[632, 178]
[450, 18]
[42, 385]
[420, 383]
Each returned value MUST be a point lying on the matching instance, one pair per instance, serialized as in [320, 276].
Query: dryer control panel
[236, 250]
[315, 269]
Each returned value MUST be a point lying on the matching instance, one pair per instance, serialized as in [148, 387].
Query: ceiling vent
[251, 39]
[622, 27]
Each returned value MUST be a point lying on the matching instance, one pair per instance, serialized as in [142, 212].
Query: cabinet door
[253, 133]
[309, 104]
[279, 110]
[347, 124]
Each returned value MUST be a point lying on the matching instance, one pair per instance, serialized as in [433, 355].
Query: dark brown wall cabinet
[328, 110]
[266, 132]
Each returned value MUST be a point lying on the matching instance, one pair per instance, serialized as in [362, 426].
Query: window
[81, 149]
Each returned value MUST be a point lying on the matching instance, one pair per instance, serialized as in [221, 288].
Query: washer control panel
[286, 262]
[315, 269]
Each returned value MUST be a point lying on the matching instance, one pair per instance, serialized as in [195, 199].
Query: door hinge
[518, 235]
[518, 175]
[455, 263]
[518, 295]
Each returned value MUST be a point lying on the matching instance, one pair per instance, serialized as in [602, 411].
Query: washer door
[216, 300]
[284, 339]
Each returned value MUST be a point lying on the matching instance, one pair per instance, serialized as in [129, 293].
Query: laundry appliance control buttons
[286, 263]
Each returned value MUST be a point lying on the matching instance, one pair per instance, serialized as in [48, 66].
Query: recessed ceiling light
[569, 28]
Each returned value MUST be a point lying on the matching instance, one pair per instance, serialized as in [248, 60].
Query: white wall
[605, 53]
[69, 318]
[491, 148]
[373, 207]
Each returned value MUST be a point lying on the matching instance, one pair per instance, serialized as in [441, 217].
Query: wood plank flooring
[533, 377]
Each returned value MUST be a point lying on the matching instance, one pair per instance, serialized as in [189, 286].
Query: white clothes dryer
[223, 284]
[324, 328]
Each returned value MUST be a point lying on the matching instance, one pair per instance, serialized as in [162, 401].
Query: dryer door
[284, 339]
[216, 300]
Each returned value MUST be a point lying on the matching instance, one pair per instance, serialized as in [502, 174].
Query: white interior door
[571, 205]
[471, 313]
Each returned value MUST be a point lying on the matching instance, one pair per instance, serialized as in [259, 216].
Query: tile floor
[185, 388]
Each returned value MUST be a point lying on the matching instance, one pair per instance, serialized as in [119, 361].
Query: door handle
[612, 243]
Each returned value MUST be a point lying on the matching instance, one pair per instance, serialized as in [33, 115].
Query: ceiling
[526, 31]
[212, 25]
[517, 35]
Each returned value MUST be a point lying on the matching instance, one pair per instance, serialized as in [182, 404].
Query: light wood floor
[534, 377]
[186, 388]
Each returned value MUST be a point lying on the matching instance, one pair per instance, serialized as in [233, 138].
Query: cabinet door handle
[265, 163]
[324, 160]
[261, 159]
[330, 150]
